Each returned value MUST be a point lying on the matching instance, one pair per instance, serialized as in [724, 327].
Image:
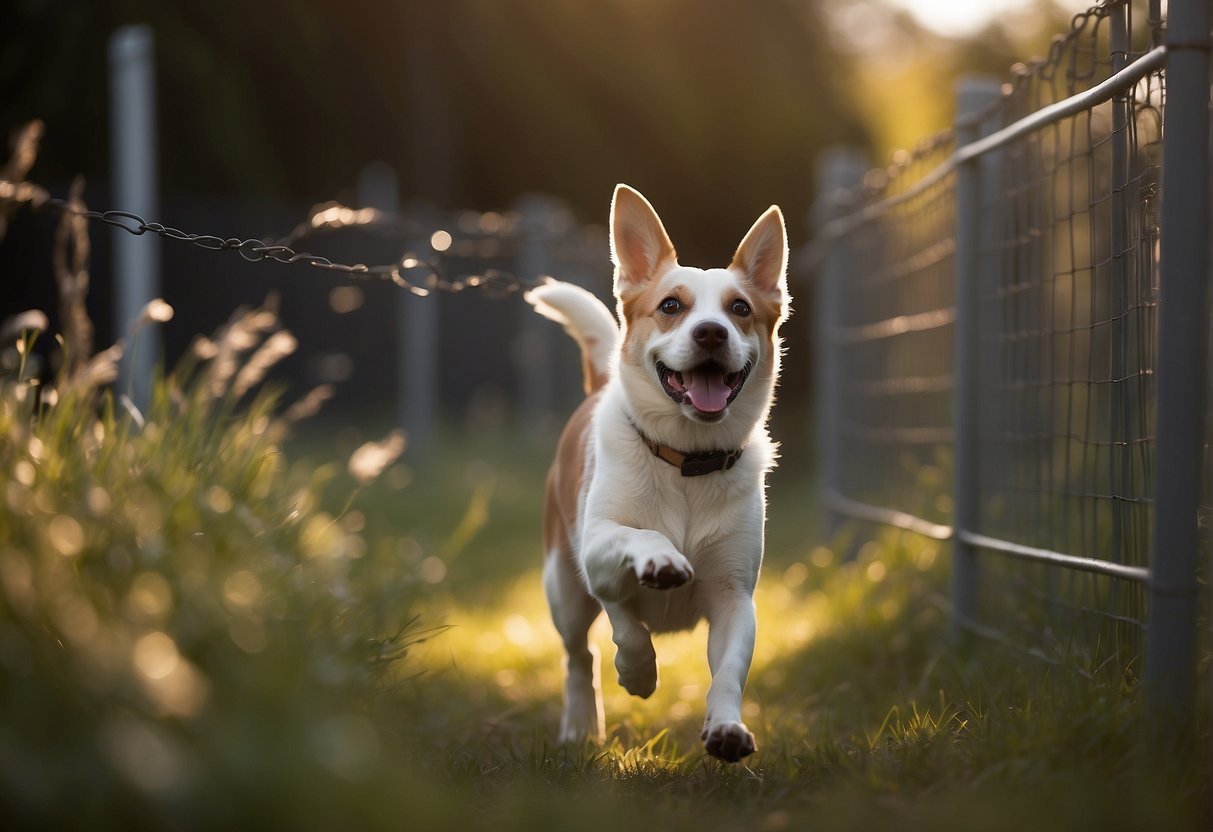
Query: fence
[434, 276]
[1013, 345]
[510, 370]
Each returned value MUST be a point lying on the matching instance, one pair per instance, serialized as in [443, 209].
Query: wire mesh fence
[990, 332]
[1069, 248]
[887, 327]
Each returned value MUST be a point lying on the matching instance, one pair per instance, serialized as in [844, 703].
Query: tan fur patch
[592, 380]
[769, 308]
[641, 317]
[565, 478]
[743, 323]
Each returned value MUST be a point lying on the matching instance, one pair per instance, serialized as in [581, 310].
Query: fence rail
[1013, 327]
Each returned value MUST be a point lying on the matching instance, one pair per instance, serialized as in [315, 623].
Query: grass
[865, 714]
[209, 625]
[206, 624]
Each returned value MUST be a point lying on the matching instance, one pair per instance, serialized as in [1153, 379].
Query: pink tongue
[707, 391]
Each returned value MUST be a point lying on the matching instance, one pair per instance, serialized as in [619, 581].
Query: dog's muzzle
[707, 387]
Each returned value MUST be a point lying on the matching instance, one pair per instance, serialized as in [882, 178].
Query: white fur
[637, 513]
[583, 317]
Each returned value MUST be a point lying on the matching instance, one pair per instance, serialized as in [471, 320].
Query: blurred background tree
[713, 110]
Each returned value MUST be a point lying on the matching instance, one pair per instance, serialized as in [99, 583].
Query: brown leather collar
[691, 465]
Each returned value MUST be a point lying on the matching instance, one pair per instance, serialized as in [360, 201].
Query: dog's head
[700, 348]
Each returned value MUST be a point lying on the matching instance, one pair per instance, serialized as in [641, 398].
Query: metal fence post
[839, 171]
[133, 161]
[1121, 454]
[973, 96]
[1182, 365]
[417, 322]
[419, 346]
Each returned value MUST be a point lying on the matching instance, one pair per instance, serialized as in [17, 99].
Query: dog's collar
[691, 465]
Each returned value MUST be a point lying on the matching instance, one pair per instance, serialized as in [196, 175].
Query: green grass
[204, 627]
[865, 714]
[206, 623]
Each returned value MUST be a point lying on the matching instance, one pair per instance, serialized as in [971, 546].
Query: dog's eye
[740, 308]
[670, 306]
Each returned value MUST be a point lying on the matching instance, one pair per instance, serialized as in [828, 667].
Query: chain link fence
[994, 353]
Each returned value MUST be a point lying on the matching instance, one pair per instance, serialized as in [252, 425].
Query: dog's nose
[709, 334]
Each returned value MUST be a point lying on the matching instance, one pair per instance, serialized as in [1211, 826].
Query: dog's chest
[697, 515]
[715, 521]
[709, 518]
[720, 537]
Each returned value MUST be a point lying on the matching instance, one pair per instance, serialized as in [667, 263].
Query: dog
[655, 503]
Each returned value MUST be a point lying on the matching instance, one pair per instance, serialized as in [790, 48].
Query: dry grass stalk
[70, 260]
[14, 191]
[31, 320]
[241, 334]
[99, 370]
[275, 348]
[369, 461]
[309, 405]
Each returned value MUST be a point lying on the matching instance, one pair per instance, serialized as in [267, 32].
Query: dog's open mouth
[707, 387]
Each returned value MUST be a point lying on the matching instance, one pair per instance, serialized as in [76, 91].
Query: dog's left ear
[762, 256]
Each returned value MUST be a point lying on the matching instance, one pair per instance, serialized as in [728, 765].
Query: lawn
[210, 625]
[866, 715]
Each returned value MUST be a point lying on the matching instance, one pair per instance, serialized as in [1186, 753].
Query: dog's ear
[762, 256]
[640, 246]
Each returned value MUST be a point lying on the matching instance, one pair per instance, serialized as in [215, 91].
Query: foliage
[187, 633]
[474, 103]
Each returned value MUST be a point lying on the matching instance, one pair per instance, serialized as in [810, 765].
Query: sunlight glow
[957, 18]
[518, 630]
[155, 655]
[821, 557]
[876, 571]
[150, 595]
[66, 535]
[242, 589]
[510, 649]
[345, 299]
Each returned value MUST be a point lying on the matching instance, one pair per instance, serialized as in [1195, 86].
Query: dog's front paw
[728, 741]
[663, 570]
[639, 679]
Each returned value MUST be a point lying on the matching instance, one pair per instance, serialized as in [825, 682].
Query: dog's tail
[584, 317]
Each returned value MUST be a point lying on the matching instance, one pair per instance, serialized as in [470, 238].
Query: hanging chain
[419, 275]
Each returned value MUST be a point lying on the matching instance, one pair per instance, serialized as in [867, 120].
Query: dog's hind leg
[573, 612]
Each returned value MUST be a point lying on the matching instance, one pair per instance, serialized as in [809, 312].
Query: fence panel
[1069, 298]
[888, 336]
[995, 345]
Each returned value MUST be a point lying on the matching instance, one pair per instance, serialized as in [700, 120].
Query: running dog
[655, 504]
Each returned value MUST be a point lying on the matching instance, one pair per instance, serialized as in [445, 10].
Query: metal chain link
[419, 276]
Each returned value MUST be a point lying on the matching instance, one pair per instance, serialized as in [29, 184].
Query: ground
[865, 712]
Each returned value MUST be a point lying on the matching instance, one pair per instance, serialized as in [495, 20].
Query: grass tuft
[182, 617]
